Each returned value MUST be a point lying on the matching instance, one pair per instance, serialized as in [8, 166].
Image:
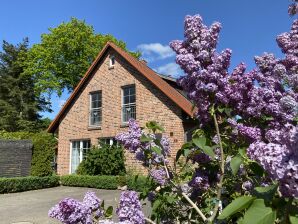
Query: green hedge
[18, 184]
[43, 150]
[104, 182]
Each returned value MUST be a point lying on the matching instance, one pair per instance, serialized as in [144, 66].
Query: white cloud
[61, 103]
[171, 69]
[155, 51]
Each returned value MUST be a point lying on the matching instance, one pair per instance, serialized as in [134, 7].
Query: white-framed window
[95, 115]
[107, 141]
[128, 103]
[112, 61]
[78, 151]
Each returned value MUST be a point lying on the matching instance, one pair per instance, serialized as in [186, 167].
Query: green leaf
[293, 219]
[266, 193]
[154, 126]
[156, 149]
[242, 152]
[109, 212]
[200, 141]
[209, 151]
[236, 161]
[156, 204]
[178, 154]
[256, 168]
[258, 213]
[235, 206]
[171, 199]
[145, 138]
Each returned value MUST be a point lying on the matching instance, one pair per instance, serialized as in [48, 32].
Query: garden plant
[241, 165]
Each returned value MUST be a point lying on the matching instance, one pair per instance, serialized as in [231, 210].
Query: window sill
[124, 125]
[90, 128]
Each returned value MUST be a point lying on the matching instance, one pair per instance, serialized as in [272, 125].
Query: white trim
[70, 156]
[111, 58]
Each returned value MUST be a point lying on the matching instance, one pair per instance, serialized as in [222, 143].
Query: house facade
[118, 87]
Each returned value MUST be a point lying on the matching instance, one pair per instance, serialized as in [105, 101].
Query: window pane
[126, 91]
[132, 90]
[132, 99]
[96, 100]
[126, 100]
[95, 117]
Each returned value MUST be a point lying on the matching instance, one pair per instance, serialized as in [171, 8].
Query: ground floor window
[107, 141]
[78, 151]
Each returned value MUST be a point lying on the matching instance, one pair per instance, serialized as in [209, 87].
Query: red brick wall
[151, 104]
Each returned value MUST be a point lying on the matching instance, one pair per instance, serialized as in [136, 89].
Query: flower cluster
[94, 203]
[280, 160]
[130, 208]
[200, 181]
[71, 211]
[159, 176]
[144, 150]
[268, 94]
[131, 139]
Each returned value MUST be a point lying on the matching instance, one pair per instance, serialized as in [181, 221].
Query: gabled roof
[142, 68]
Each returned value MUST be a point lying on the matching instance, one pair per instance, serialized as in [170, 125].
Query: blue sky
[249, 26]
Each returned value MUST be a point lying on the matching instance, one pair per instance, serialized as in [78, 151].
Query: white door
[78, 152]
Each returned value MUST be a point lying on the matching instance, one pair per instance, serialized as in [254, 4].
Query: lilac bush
[244, 156]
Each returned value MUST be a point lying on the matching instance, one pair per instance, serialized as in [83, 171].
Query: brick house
[115, 88]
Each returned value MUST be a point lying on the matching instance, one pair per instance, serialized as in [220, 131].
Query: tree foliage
[64, 55]
[19, 104]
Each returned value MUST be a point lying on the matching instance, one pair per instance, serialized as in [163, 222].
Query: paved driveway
[33, 206]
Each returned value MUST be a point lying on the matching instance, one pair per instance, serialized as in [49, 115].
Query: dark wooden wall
[15, 158]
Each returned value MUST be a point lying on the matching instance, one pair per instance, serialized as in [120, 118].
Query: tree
[19, 104]
[64, 55]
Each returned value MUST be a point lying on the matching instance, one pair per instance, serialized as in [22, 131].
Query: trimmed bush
[104, 182]
[43, 150]
[106, 160]
[18, 184]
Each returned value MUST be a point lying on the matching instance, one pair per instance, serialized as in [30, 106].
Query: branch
[222, 172]
[149, 221]
[194, 206]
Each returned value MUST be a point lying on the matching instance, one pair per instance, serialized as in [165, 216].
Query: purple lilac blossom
[71, 211]
[247, 185]
[130, 209]
[93, 202]
[159, 176]
[131, 139]
[200, 181]
[252, 133]
[267, 93]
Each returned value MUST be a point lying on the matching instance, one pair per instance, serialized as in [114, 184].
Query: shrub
[43, 150]
[104, 182]
[18, 184]
[106, 160]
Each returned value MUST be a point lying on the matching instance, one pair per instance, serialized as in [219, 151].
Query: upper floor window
[112, 61]
[95, 109]
[128, 103]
